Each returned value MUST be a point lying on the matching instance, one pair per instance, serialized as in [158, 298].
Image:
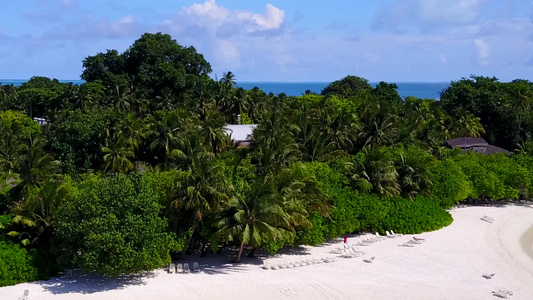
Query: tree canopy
[135, 166]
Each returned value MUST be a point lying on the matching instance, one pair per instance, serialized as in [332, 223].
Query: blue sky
[295, 40]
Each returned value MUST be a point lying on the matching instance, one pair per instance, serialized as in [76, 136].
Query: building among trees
[478, 145]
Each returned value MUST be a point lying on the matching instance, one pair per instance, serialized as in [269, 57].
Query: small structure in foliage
[240, 134]
[478, 145]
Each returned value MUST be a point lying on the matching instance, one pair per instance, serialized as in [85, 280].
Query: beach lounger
[487, 219]
[179, 268]
[171, 268]
[369, 260]
[415, 242]
[26, 295]
[379, 237]
[195, 267]
[266, 265]
[418, 239]
[285, 263]
[357, 253]
[347, 254]
[338, 250]
[327, 259]
[292, 262]
[300, 262]
[295, 262]
[396, 234]
[407, 244]
[186, 268]
[502, 294]
[317, 259]
[281, 264]
[392, 235]
[352, 253]
[363, 242]
[488, 276]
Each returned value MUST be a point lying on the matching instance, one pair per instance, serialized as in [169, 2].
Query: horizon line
[251, 81]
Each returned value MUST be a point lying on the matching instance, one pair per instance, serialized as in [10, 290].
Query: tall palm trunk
[188, 245]
[238, 259]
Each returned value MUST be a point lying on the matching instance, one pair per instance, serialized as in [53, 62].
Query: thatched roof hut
[478, 145]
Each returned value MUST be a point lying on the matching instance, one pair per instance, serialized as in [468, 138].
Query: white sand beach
[448, 265]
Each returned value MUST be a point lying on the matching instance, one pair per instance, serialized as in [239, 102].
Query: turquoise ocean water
[429, 90]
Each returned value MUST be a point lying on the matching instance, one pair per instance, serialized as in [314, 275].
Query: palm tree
[212, 130]
[257, 101]
[522, 99]
[169, 132]
[375, 168]
[467, 124]
[35, 166]
[273, 144]
[202, 190]
[379, 127]
[121, 97]
[117, 154]
[10, 145]
[413, 177]
[37, 213]
[229, 79]
[205, 100]
[255, 219]
[131, 129]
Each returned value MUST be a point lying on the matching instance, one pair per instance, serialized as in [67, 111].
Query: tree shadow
[223, 262]
[92, 283]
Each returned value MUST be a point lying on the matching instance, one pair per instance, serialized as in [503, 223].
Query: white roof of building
[240, 133]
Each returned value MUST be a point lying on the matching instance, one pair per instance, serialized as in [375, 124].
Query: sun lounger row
[351, 253]
[413, 242]
[340, 249]
[370, 239]
[183, 268]
[292, 262]
[392, 235]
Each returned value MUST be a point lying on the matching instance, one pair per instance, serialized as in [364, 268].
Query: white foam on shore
[449, 265]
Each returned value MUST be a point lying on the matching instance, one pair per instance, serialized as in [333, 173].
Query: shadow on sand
[88, 284]
[213, 264]
[222, 263]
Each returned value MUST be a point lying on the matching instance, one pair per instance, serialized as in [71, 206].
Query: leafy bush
[113, 227]
[450, 184]
[16, 264]
[354, 211]
[416, 216]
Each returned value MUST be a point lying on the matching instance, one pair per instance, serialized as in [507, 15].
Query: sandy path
[448, 265]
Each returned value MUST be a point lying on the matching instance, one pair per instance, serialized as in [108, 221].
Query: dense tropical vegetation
[135, 166]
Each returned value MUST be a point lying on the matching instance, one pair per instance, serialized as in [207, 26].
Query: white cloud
[271, 19]
[228, 38]
[67, 3]
[483, 51]
[454, 11]
[225, 22]
[426, 14]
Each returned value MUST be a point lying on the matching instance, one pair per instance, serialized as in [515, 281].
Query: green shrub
[414, 216]
[354, 211]
[450, 184]
[113, 227]
[16, 264]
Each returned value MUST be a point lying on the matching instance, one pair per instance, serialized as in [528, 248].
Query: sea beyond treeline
[424, 90]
